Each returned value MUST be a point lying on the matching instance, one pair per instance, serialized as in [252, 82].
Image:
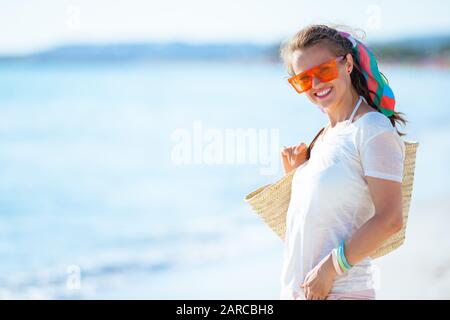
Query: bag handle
[311, 145]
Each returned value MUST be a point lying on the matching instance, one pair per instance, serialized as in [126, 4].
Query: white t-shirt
[330, 198]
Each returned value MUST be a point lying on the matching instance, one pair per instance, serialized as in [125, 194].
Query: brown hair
[340, 46]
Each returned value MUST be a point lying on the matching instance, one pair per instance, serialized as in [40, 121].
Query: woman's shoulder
[372, 124]
[373, 120]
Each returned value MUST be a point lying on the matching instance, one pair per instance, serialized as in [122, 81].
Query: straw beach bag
[271, 201]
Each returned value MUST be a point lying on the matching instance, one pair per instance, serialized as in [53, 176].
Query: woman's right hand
[293, 157]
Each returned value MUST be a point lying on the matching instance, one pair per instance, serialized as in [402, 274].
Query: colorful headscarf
[380, 92]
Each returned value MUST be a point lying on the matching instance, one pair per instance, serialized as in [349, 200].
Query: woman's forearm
[369, 237]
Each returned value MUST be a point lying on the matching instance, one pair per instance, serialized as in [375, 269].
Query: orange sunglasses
[325, 72]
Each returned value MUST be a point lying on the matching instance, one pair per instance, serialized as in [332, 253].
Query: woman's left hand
[319, 281]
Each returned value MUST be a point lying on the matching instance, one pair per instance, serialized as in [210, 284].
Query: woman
[346, 197]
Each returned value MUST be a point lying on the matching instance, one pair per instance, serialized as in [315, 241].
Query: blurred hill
[428, 50]
[152, 51]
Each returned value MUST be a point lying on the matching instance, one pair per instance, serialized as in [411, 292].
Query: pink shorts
[355, 295]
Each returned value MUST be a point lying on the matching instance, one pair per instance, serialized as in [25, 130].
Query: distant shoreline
[418, 52]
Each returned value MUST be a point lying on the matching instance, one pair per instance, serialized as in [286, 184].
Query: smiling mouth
[323, 93]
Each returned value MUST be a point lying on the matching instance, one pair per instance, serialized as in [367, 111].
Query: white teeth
[323, 93]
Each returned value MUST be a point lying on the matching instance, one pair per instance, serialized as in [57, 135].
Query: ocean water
[95, 202]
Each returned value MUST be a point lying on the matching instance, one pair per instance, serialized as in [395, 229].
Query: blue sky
[29, 25]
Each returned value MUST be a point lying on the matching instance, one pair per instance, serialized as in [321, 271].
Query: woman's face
[325, 94]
